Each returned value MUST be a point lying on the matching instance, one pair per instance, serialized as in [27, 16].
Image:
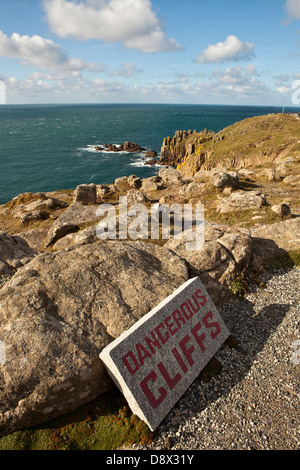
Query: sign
[155, 361]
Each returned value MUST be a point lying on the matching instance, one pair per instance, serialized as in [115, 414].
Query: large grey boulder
[58, 312]
[192, 189]
[223, 179]
[226, 252]
[170, 175]
[241, 200]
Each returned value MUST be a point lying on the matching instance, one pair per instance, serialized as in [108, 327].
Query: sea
[50, 147]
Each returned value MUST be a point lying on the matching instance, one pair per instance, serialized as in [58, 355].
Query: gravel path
[255, 402]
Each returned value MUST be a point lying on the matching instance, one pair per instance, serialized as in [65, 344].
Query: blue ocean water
[49, 147]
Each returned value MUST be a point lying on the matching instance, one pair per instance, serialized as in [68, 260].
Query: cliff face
[175, 150]
[248, 143]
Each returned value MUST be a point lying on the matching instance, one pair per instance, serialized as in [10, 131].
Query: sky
[150, 51]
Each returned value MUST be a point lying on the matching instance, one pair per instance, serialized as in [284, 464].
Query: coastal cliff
[177, 149]
[252, 142]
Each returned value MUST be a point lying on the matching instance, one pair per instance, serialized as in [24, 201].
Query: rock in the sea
[126, 147]
[58, 312]
[241, 200]
[86, 193]
[151, 154]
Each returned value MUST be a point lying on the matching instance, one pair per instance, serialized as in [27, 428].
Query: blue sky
[150, 51]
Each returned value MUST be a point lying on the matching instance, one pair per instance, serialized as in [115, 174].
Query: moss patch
[104, 424]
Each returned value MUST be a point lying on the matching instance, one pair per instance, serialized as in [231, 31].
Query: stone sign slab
[155, 361]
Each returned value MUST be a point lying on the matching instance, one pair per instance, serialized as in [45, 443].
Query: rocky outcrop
[126, 147]
[39, 209]
[14, 253]
[60, 310]
[169, 175]
[255, 141]
[153, 183]
[70, 220]
[242, 200]
[86, 193]
[183, 144]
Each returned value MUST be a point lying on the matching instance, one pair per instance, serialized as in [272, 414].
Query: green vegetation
[104, 424]
[239, 285]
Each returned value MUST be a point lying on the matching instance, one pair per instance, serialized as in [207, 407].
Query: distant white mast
[283, 110]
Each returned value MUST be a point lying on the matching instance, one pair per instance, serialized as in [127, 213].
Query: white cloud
[293, 8]
[240, 85]
[281, 79]
[231, 49]
[237, 75]
[127, 69]
[133, 22]
[41, 52]
[284, 90]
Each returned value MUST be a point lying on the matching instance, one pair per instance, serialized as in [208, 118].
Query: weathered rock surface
[134, 181]
[35, 237]
[226, 251]
[151, 184]
[222, 179]
[169, 175]
[86, 193]
[135, 196]
[70, 220]
[293, 180]
[192, 189]
[39, 209]
[285, 234]
[241, 200]
[14, 253]
[59, 311]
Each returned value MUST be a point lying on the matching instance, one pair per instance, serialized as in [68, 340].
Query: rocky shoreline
[60, 285]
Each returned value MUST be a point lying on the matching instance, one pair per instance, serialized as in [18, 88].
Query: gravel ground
[255, 402]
